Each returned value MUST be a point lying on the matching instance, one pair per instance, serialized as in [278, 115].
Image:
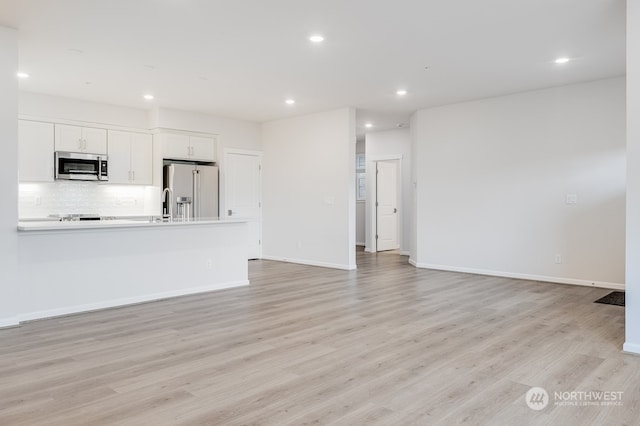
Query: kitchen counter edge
[28, 226]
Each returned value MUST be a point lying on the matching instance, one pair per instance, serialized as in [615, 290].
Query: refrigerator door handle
[196, 194]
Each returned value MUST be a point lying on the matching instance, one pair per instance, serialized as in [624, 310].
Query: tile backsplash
[39, 200]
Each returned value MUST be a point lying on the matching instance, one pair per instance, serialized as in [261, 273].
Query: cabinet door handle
[133, 173]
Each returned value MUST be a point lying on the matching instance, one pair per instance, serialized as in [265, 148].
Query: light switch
[571, 199]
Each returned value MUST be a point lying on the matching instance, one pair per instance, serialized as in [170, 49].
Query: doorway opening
[384, 202]
[387, 201]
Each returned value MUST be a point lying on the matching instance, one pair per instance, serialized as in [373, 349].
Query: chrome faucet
[169, 213]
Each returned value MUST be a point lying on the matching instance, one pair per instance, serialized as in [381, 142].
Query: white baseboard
[9, 322]
[311, 263]
[126, 301]
[413, 262]
[368, 250]
[631, 348]
[360, 244]
[404, 253]
[543, 278]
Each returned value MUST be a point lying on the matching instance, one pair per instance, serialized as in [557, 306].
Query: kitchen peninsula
[68, 267]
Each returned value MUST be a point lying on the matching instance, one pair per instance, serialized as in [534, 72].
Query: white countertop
[49, 225]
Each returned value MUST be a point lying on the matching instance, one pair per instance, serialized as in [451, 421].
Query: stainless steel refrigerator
[194, 188]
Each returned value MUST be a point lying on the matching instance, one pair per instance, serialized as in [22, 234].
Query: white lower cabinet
[35, 151]
[130, 158]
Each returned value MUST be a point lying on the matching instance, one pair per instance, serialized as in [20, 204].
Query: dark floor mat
[613, 298]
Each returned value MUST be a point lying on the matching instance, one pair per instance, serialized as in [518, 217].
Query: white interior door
[387, 205]
[243, 198]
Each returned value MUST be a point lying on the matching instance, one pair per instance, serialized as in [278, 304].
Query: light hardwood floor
[387, 344]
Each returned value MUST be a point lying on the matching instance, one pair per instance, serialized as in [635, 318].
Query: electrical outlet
[38, 200]
[558, 258]
[209, 264]
[571, 199]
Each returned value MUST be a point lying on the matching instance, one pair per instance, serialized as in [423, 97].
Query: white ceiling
[243, 58]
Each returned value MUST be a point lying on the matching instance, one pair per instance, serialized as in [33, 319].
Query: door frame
[370, 207]
[223, 183]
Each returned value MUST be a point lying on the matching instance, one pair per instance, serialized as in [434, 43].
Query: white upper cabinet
[35, 151]
[130, 158]
[176, 147]
[142, 159]
[203, 149]
[186, 147]
[80, 139]
[95, 140]
[119, 157]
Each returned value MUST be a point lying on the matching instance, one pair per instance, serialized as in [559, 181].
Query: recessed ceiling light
[562, 60]
[368, 125]
[148, 97]
[22, 75]
[316, 38]
[289, 102]
[401, 92]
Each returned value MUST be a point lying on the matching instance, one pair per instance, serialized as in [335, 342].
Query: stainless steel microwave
[80, 166]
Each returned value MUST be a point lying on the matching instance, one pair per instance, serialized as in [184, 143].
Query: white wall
[308, 189]
[232, 133]
[380, 146]
[360, 205]
[493, 176]
[9, 286]
[60, 108]
[632, 343]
